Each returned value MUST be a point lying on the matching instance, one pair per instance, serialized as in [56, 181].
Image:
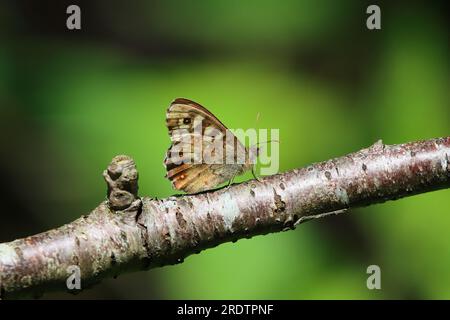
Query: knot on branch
[121, 177]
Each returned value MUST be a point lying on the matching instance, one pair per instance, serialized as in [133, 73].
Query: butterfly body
[195, 132]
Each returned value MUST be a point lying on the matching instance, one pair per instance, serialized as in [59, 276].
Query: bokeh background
[71, 100]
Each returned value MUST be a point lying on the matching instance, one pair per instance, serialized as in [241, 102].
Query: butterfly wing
[188, 123]
[197, 178]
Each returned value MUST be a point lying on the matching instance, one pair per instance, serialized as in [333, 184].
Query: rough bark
[127, 233]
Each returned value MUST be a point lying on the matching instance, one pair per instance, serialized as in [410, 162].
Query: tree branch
[128, 233]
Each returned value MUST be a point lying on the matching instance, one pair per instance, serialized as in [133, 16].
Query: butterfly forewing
[193, 131]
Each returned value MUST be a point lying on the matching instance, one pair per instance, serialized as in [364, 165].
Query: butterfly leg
[254, 174]
[230, 182]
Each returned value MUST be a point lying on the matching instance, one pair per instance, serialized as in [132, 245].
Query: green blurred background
[71, 100]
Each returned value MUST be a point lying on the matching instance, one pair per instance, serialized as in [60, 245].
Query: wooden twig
[127, 233]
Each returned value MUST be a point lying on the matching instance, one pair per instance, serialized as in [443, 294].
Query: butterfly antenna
[258, 116]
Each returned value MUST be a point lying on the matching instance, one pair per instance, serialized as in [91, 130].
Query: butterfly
[195, 132]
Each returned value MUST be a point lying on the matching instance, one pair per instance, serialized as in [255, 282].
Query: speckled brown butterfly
[193, 131]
